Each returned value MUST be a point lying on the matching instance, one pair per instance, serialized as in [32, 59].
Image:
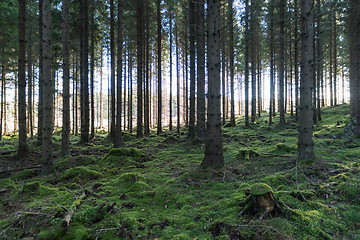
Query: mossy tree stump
[260, 200]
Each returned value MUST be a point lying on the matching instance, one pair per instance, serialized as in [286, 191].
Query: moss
[139, 186]
[31, 187]
[80, 172]
[24, 174]
[78, 232]
[181, 236]
[130, 178]
[260, 189]
[51, 234]
[284, 148]
[246, 155]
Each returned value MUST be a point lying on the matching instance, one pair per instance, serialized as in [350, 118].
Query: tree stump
[260, 200]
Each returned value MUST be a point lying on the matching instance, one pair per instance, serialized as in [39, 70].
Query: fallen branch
[20, 169]
[73, 207]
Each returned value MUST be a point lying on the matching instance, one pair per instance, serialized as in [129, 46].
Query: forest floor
[154, 188]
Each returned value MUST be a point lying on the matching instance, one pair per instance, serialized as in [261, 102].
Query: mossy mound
[246, 155]
[132, 182]
[284, 148]
[31, 187]
[260, 189]
[130, 178]
[80, 172]
[125, 157]
[24, 174]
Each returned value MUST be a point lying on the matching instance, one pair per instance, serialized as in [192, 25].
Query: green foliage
[31, 187]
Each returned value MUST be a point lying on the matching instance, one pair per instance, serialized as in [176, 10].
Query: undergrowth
[154, 188]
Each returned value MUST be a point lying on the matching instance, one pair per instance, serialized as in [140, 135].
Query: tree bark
[159, 29]
[92, 71]
[118, 136]
[232, 95]
[282, 62]
[246, 63]
[191, 132]
[41, 78]
[65, 143]
[23, 148]
[112, 71]
[139, 36]
[213, 144]
[47, 161]
[200, 129]
[305, 141]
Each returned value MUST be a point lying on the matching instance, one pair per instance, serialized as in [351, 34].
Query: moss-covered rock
[284, 148]
[80, 172]
[246, 155]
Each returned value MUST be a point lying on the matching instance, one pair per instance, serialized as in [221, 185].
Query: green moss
[24, 174]
[284, 148]
[139, 186]
[260, 189]
[246, 155]
[181, 236]
[78, 232]
[51, 234]
[31, 187]
[80, 172]
[130, 178]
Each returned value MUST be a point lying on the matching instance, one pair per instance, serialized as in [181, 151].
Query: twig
[62, 207]
[68, 190]
[71, 212]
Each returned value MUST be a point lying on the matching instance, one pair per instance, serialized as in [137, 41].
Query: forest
[179, 119]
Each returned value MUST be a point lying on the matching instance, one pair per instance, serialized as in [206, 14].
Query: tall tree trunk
[246, 63]
[177, 79]
[201, 70]
[41, 79]
[30, 85]
[23, 148]
[112, 71]
[305, 141]
[3, 105]
[118, 136]
[331, 66]
[84, 79]
[130, 94]
[76, 97]
[271, 13]
[65, 143]
[232, 102]
[213, 144]
[159, 29]
[171, 72]
[191, 132]
[296, 60]
[47, 161]
[319, 58]
[92, 70]
[147, 74]
[282, 62]
[253, 59]
[139, 36]
[101, 90]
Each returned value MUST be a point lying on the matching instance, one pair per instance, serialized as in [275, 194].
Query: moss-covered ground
[154, 188]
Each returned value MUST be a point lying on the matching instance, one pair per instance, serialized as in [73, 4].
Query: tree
[23, 148]
[47, 161]
[112, 71]
[191, 132]
[305, 141]
[118, 135]
[139, 36]
[200, 128]
[213, 144]
[232, 102]
[159, 29]
[282, 62]
[246, 63]
[65, 143]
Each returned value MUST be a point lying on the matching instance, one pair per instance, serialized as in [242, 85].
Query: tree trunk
[213, 145]
[282, 62]
[159, 29]
[47, 161]
[171, 73]
[84, 70]
[296, 60]
[253, 59]
[92, 70]
[23, 148]
[177, 79]
[201, 70]
[232, 102]
[30, 85]
[191, 132]
[305, 141]
[118, 133]
[319, 59]
[41, 79]
[246, 63]
[3, 105]
[112, 71]
[130, 94]
[271, 13]
[65, 143]
[335, 59]
[139, 36]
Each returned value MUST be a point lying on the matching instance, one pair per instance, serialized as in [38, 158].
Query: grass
[154, 188]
